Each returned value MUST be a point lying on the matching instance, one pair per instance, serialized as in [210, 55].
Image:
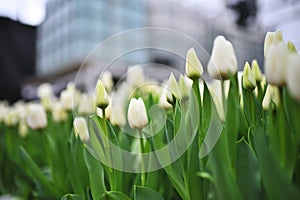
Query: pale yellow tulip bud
[59, 114]
[193, 66]
[173, 90]
[23, 129]
[101, 97]
[107, 80]
[256, 71]
[36, 118]
[184, 87]
[271, 95]
[137, 114]
[81, 129]
[248, 78]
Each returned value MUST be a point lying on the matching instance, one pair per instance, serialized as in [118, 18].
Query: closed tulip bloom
[137, 115]
[256, 71]
[85, 105]
[173, 90]
[101, 97]
[23, 129]
[271, 95]
[271, 38]
[223, 62]
[45, 91]
[36, 118]
[293, 76]
[276, 63]
[193, 66]
[59, 114]
[248, 79]
[117, 116]
[107, 80]
[81, 129]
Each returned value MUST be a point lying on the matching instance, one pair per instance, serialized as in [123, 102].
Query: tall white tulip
[271, 38]
[276, 63]
[193, 66]
[36, 118]
[137, 115]
[101, 96]
[223, 62]
[271, 95]
[81, 128]
[293, 75]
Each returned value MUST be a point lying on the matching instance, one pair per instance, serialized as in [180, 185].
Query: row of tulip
[236, 137]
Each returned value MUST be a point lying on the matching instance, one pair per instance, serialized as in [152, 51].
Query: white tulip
[117, 116]
[36, 118]
[59, 114]
[223, 62]
[249, 81]
[45, 91]
[23, 129]
[135, 76]
[184, 87]
[11, 119]
[276, 62]
[256, 71]
[271, 95]
[293, 75]
[81, 129]
[271, 38]
[173, 89]
[101, 97]
[107, 80]
[193, 66]
[137, 114]
[163, 103]
[85, 105]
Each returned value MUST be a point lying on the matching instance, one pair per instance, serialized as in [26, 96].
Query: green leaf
[144, 193]
[71, 197]
[114, 195]
[275, 181]
[96, 174]
[37, 174]
[248, 175]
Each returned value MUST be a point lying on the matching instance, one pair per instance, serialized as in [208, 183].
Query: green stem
[143, 174]
[223, 96]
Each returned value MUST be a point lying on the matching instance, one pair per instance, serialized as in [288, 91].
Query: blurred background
[47, 40]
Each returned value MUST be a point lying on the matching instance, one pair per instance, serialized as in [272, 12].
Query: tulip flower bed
[237, 137]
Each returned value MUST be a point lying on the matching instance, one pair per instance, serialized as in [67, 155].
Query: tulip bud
[137, 115]
[173, 89]
[81, 129]
[107, 80]
[223, 62]
[293, 76]
[36, 118]
[117, 116]
[101, 97]
[23, 129]
[45, 91]
[248, 79]
[276, 64]
[85, 105]
[59, 114]
[271, 38]
[11, 119]
[193, 66]
[291, 47]
[163, 103]
[184, 88]
[256, 71]
[271, 95]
